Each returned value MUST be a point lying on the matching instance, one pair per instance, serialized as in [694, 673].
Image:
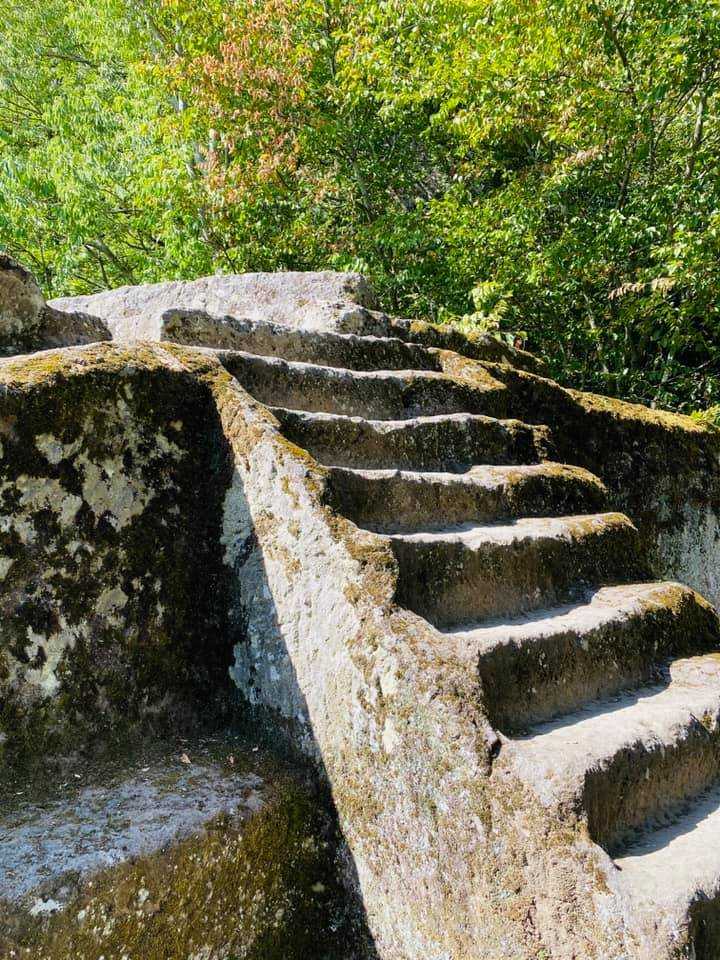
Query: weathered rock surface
[412, 562]
[224, 311]
[27, 323]
[21, 300]
[315, 301]
[105, 495]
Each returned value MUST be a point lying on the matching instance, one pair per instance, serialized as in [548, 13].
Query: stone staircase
[387, 537]
[604, 687]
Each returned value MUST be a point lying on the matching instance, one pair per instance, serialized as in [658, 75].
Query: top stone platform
[321, 302]
[310, 301]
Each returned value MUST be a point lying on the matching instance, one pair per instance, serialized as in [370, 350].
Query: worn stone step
[452, 442]
[396, 501]
[112, 854]
[267, 339]
[380, 395]
[551, 662]
[474, 345]
[630, 761]
[670, 881]
[475, 572]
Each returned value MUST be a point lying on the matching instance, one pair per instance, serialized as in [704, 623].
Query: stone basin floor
[206, 848]
[137, 809]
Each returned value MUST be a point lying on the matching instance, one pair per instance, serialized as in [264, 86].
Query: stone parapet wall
[111, 590]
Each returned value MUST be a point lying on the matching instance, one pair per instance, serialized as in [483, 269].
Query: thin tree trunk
[699, 128]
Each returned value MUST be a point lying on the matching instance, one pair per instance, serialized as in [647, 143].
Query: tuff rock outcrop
[442, 580]
[27, 323]
[224, 310]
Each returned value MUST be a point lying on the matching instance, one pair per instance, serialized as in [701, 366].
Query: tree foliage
[549, 166]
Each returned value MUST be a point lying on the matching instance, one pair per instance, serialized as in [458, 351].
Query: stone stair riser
[449, 583]
[401, 503]
[645, 786]
[450, 445]
[326, 349]
[375, 395]
[534, 681]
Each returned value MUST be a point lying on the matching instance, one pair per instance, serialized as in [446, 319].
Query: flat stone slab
[135, 812]
[669, 868]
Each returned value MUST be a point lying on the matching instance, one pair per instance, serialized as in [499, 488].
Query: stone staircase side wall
[392, 717]
[662, 469]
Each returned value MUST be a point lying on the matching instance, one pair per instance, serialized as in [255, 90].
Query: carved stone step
[266, 339]
[381, 395]
[670, 882]
[630, 761]
[551, 662]
[447, 443]
[396, 501]
[477, 572]
[476, 346]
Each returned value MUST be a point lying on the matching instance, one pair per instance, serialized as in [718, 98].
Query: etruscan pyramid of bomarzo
[332, 635]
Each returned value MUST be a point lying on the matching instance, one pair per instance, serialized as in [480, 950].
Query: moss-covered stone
[662, 469]
[111, 476]
[473, 344]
